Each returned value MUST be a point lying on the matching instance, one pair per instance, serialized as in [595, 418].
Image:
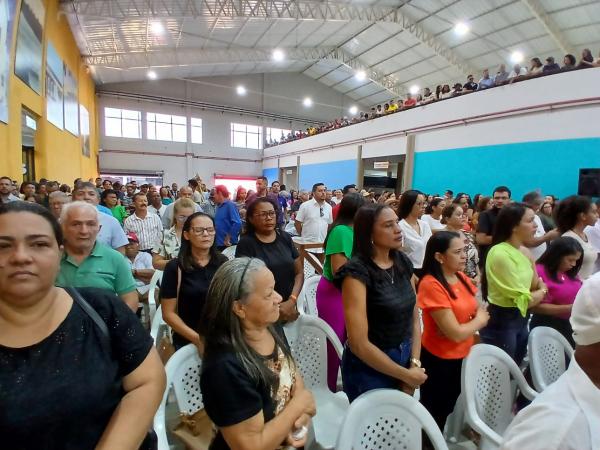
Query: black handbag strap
[91, 312]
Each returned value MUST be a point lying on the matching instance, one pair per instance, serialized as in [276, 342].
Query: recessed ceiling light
[361, 75]
[157, 28]
[516, 57]
[307, 102]
[414, 89]
[461, 28]
[152, 75]
[278, 55]
[241, 90]
[353, 110]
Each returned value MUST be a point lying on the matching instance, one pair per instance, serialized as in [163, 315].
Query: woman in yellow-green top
[513, 284]
[338, 250]
[110, 199]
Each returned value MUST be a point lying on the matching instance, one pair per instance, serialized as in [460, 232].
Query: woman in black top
[186, 279]
[70, 378]
[263, 240]
[251, 387]
[382, 320]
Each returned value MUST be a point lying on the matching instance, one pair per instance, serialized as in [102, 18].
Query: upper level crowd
[442, 92]
[408, 282]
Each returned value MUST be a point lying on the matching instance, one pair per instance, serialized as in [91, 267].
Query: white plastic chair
[154, 281]
[155, 327]
[387, 419]
[183, 375]
[310, 353]
[307, 300]
[229, 252]
[309, 271]
[489, 396]
[548, 353]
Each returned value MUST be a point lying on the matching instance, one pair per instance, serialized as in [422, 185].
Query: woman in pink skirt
[338, 249]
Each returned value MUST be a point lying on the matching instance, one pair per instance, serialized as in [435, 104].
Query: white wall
[272, 93]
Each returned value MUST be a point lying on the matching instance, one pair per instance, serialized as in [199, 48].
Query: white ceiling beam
[549, 25]
[263, 9]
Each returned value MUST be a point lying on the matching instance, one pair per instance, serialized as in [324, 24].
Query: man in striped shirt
[147, 226]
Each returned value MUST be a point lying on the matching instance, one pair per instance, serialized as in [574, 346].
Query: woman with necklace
[262, 239]
[415, 232]
[559, 267]
[382, 321]
[186, 279]
[572, 215]
[168, 249]
[451, 317]
[454, 218]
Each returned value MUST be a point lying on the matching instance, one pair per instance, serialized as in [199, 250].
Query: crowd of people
[502, 77]
[76, 263]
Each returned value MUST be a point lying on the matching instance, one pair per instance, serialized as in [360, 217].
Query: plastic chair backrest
[157, 321]
[307, 300]
[548, 353]
[486, 384]
[310, 350]
[387, 419]
[309, 270]
[183, 376]
[229, 252]
[154, 282]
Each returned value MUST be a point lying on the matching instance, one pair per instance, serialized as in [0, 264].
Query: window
[165, 127]
[196, 130]
[275, 134]
[246, 136]
[122, 123]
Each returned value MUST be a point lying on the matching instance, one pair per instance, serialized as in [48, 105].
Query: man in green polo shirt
[87, 263]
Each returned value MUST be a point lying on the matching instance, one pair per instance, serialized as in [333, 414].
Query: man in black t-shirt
[485, 230]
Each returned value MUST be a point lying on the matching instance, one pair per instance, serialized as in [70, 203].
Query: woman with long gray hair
[251, 387]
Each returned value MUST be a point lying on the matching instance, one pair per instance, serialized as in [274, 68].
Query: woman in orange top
[451, 317]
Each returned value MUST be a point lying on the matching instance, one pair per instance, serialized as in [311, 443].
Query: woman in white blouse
[433, 214]
[572, 215]
[415, 232]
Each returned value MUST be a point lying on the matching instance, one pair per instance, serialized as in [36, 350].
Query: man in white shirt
[155, 204]
[147, 226]
[517, 71]
[566, 416]
[537, 245]
[314, 217]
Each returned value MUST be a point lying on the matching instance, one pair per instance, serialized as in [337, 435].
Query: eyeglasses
[321, 213]
[264, 214]
[199, 231]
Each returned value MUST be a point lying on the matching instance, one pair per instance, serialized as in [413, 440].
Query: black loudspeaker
[589, 182]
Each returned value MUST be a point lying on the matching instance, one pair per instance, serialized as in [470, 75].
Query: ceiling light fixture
[361, 75]
[461, 28]
[516, 57]
[157, 27]
[241, 90]
[353, 110]
[152, 75]
[414, 89]
[278, 55]
[307, 102]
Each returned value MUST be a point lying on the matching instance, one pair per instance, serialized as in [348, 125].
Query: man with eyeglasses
[314, 217]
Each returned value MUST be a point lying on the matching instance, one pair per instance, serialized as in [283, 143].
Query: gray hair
[58, 195]
[64, 214]
[221, 327]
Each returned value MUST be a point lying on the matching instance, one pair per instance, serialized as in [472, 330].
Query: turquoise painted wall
[335, 175]
[551, 166]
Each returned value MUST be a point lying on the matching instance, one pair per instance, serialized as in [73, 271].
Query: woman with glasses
[186, 279]
[251, 387]
[263, 240]
[168, 249]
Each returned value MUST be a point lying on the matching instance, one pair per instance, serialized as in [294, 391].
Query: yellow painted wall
[58, 154]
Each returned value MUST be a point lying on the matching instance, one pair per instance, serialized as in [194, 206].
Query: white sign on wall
[381, 165]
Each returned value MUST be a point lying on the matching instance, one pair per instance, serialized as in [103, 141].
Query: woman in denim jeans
[513, 284]
[382, 321]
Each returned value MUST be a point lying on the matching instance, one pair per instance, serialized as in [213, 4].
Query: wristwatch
[416, 362]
